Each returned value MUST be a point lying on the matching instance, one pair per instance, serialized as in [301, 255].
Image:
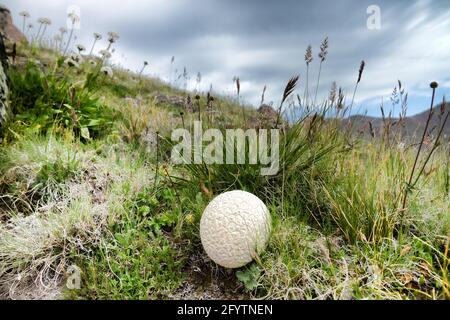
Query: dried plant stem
[435, 146]
[306, 95]
[318, 82]
[416, 160]
[361, 70]
[292, 83]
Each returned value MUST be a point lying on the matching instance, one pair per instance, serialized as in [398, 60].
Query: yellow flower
[190, 218]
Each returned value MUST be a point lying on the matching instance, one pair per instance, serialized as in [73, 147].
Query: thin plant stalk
[322, 56]
[361, 69]
[69, 40]
[93, 46]
[36, 36]
[318, 81]
[416, 160]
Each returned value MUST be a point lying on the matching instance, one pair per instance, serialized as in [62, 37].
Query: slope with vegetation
[86, 181]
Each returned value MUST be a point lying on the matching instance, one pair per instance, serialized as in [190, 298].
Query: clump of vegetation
[41, 101]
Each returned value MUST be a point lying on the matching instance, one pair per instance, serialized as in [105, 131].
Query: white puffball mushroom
[235, 228]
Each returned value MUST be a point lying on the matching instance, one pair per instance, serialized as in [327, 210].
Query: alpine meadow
[93, 206]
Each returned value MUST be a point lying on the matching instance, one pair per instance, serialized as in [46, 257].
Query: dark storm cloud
[263, 42]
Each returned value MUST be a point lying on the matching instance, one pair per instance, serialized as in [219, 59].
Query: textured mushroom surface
[235, 228]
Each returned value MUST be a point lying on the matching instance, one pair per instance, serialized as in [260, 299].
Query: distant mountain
[412, 126]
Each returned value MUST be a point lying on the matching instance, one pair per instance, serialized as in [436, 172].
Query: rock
[173, 100]
[266, 118]
[267, 111]
[7, 27]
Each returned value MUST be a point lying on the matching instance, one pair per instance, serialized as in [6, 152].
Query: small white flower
[81, 48]
[93, 63]
[105, 54]
[97, 36]
[107, 71]
[113, 36]
[24, 14]
[76, 57]
[74, 17]
[45, 21]
[72, 63]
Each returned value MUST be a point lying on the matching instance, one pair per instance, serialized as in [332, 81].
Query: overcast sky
[264, 42]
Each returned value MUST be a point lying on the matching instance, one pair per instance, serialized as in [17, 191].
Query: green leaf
[85, 133]
[249, 277]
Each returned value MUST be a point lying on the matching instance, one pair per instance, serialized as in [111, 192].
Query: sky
[264, 43]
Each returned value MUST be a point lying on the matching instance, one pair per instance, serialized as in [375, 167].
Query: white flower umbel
[72, 63]
[80, 48]
[105, 54]
[235, 228]
[107, 71]
[76, 57]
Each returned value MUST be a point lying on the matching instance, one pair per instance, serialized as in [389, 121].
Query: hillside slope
[410, 127]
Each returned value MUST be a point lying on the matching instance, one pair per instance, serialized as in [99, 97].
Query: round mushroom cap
[235, 228]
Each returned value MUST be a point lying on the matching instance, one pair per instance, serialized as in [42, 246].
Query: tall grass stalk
[322, 56]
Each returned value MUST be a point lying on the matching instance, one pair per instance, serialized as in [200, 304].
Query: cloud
[263, 42]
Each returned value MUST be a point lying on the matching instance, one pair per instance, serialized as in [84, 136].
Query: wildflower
[72, 63]
[107, 71]
[76, 57]
[43, 22]
[142, 70]
[105, 54]
[80, 48]
[74, 18]
[93, 63]
[112, 38]
[25, 15]
[97, 37]
[190, 218]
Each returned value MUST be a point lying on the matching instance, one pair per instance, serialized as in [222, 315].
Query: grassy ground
[85, 180]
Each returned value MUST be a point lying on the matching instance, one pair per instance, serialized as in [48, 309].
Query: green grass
[113, 205]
